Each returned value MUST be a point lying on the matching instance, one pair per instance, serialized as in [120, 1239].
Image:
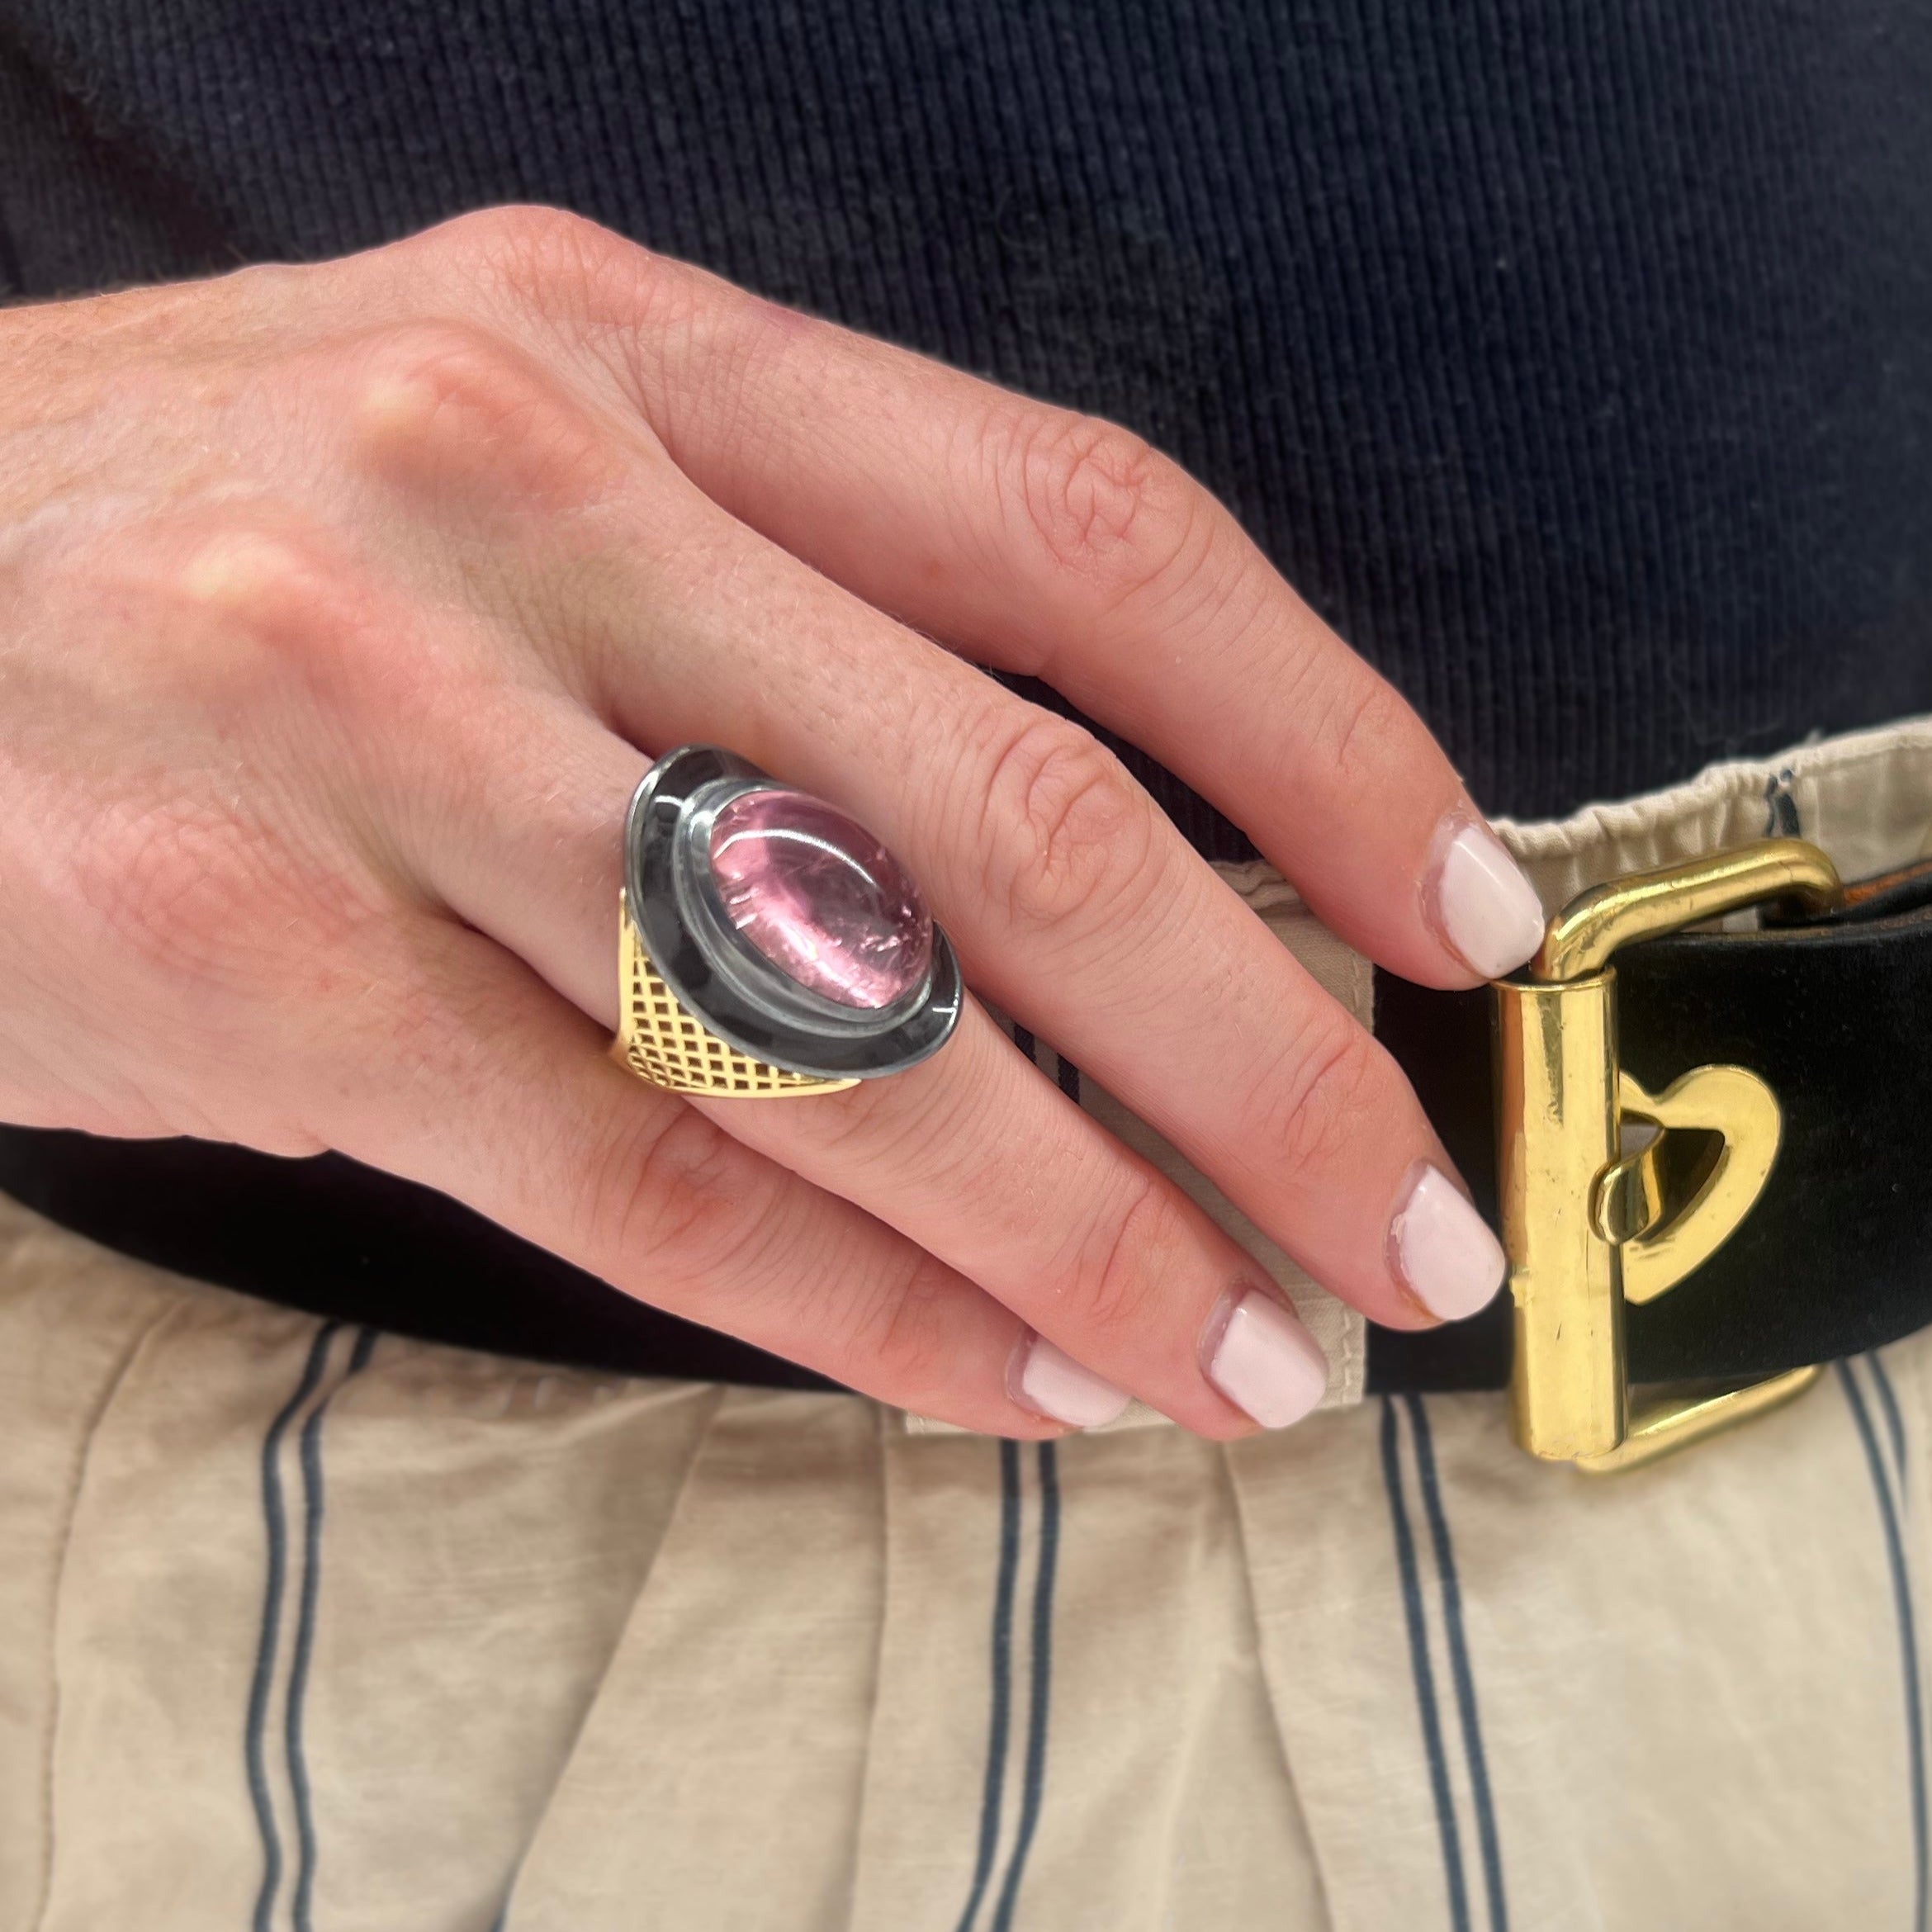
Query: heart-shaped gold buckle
[1661, 1242]
[1591, 1225]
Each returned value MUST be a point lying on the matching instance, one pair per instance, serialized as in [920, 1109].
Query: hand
[341, 608]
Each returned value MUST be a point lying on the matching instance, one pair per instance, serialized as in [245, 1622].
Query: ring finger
[1074, 903]
[971, 1154]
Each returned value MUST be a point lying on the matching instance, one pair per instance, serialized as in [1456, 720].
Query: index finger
[1047, 544]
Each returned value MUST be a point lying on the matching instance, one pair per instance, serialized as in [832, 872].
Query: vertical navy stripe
[305, 1638]
[1069, 1078]
[277, 1572]
[997, 1724]
[1781, 817]
[1042, 1672]
[1908, 1645]
[509, 1896]
[1024, 1040]
[1459, 1663]
[1422, 1672]
[1894, 1422]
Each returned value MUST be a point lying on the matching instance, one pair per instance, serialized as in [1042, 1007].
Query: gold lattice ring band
[768, 944]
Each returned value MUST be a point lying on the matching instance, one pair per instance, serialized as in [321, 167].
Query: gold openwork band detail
[661, 1040]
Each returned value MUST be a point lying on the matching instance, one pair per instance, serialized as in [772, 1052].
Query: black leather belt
[1832, 1012]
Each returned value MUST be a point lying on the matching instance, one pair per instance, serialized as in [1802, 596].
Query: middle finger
[972, 1153]
[1072, 900]
[1074, 903]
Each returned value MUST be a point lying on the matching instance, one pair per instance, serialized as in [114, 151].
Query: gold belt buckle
[1589, 1226]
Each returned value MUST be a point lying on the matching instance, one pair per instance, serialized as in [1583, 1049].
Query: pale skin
[341, 609]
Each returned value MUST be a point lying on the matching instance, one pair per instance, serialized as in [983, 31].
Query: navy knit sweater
[1574, 358]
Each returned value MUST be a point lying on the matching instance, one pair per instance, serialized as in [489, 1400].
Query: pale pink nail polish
[1442, 1248]
[1051, 1383]
[1263, 1360]
[1487, 910]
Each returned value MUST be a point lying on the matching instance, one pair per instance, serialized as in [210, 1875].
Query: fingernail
[1049, 1382]
[1488, 910]
[1262, 1359]
[1443, 1250]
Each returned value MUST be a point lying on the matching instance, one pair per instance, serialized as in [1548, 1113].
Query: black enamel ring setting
[768, 943]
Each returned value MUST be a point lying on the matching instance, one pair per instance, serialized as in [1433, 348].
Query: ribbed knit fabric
[1574, 360]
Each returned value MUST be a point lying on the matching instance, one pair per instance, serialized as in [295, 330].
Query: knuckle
[899, 1332]
[1356, 727]
[678, 1207]
[529, 244]
[267, 615]
[1077, 830]
[671, 1195]
[454, 407]
[548, 261]
[449, 361]
[226, 873]
[1101, 502]
[276, 587]
[1318, 1106]
[1118, 1277]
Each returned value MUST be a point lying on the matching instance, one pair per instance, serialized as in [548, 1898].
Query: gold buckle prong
[1585, 1225]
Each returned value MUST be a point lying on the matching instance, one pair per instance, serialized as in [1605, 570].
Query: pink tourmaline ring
[770, 944]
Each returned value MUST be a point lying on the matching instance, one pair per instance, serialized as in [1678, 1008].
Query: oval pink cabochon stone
[820, 897]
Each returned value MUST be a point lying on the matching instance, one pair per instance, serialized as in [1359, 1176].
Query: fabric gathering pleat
[482, 1561]
[1712, 1639]
[66, 1342]
[1106, 1801]
[227, 1702]
[508, 1647]
[715, 1777]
